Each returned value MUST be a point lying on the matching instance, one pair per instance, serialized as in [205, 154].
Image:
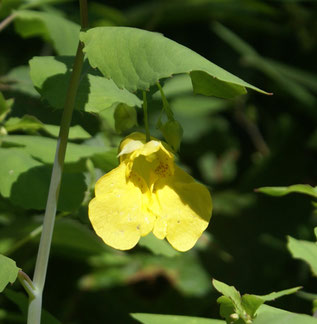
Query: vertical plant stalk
[35, 300]
[146, 118]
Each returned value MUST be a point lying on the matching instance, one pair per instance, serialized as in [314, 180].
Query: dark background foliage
[245, 143]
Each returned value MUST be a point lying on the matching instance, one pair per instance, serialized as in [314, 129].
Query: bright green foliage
[50, 76]
[173, 319]
[61, 32]
[136, 59]
[282, 191]
[240, 310]
[9, 271]
[304, 250]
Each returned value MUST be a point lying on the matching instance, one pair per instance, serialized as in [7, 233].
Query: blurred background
[232, 146]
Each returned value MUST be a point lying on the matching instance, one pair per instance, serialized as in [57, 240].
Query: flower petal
[186, 208]
[118, 213]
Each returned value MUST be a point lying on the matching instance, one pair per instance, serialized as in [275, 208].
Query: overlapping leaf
[51, 75]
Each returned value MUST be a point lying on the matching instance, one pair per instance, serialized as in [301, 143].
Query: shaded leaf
[304, 250]
[14, 161]
[60, 31]
[136, 59]
[51, 75]
[73, 188]
[9, 271]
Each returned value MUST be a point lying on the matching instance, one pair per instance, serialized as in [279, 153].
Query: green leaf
[51, 75]
[230, 292]
[18, 79]
[5, 107]
[267, 314]
[282, 191]
[14, 161]
[146, 57]
[243, 309]
[73, 188]
[304, 250]
[43, 148]
[60, 31]
[278, 294]
[173, 319]
[27, 124]
[9, 271]
[125, 117]
[156, 246]
[31, 124]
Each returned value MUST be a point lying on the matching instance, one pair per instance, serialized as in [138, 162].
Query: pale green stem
[146, 118]
[166, 105]
[35, 303]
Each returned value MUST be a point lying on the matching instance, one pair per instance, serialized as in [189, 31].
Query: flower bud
[125, 117]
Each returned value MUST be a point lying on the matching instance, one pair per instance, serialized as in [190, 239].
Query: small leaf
[304, 250]
[173, 133]
[125, 117]
[51, 75]
[60, 31]
[274, 295]
[136, 59]
[9, 271]
[173, 319]
[282, 191]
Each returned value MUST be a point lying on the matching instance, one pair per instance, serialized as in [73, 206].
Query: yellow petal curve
[118, 213]
[186, 206]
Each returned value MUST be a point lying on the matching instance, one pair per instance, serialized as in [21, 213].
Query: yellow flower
[148, 192]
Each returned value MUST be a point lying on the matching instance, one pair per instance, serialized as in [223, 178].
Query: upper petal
[119, 212]
[185, 206]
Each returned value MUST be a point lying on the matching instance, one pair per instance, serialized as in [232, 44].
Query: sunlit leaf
[282, 191]
[136, 59]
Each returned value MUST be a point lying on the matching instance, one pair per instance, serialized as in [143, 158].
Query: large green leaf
[61, 32]
[136, 59]
[304, 250]
[9, 271]
[51, 75]
[282, 191]
[173, 319]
